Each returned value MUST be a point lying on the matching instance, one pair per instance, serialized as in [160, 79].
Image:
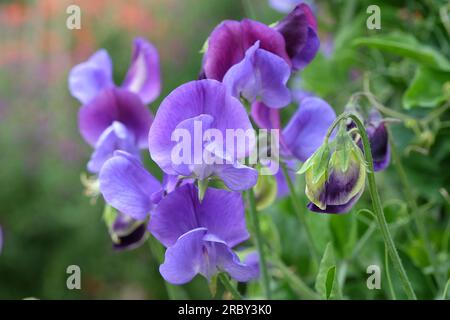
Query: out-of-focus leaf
[429, 88]
[326, 280]
[407, 46]
[343, 229]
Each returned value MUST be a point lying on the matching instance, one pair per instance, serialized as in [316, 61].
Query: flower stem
[259, 243]
[300, 214]
[378, 209]
[226, 282]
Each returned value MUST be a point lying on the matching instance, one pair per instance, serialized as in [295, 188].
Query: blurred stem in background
[376, 202]
[259, 243]
[301, 216]
[229, 286]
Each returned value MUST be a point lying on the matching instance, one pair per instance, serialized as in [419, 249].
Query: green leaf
[326, 280]
[343, 229]
[429, 88]
[407, 46]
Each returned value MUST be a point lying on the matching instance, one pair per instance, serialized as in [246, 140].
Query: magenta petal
[127, 186]
[265, 117]
[185, 259]
[143, 77]
[111, 105]
[230, 40]
[299, 29]
[261, 74]
[89, 78]
[308, 126]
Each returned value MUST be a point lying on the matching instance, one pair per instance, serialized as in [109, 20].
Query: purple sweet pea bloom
[192, 111]
[115, 119]
[90, 78]
[203, 236]
[299, 29]
[261, 74]
[128, 187]
[379, 140]
[308, 126]
[230, 40]
[129, 232]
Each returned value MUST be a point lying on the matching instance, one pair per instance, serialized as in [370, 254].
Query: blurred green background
[49, 223]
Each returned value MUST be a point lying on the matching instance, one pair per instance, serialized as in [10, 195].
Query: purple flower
[294, 39]
[307, 128]
[128, 187]
[190, 135]
[299, 29]
[115, 119]
[285, 6]
[261, 74]
[89, 78]
[379, 140]
[199, 236]
[127, 232]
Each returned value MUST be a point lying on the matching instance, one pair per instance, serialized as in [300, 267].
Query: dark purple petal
[265, 117]
[230, 40]
[202, 97]
[115, 137]
[308, 126]
[341, 186]
[89, 78]
[127, 186]
[261, 74]
[133, 239]
[343, 208]
[379, 140]
[185, 259]
[299, 29]
[111, 105]
[143, 77]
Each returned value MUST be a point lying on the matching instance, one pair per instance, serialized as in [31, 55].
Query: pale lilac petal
[230, 40]
[261, 74]
[237, 177]
[127, 186]
[299, 29]
[185, 259]
[202, 97]
[175, 215]
[143, 77]
[89, 78]
[111, 105]
[115, 137]
[308, 126]
[284, 6]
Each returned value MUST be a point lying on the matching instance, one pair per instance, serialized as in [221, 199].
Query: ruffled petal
[115, 137]
[230, 40]
[185, 259]
[237, 177]
[299, 29]
[143, 77]
[111, 105]
[89, 78]
[308, 126]
[261, 74]
[127, 186]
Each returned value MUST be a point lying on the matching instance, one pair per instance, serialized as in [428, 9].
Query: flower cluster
[245, 71]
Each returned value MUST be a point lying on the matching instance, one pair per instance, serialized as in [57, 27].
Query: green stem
[388, 273]
[376, 202]
[415, 212]
[296, 283]
[301, 215]
[259, 243]
[226, 282]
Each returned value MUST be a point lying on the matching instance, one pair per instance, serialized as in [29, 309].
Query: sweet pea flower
[89, 78]
[191, 130]
[379, 140]
[294, 39]
[127, 233]
[261, 74]
[128, 187]
[335, 175]
[115, 119]
[199, 236]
